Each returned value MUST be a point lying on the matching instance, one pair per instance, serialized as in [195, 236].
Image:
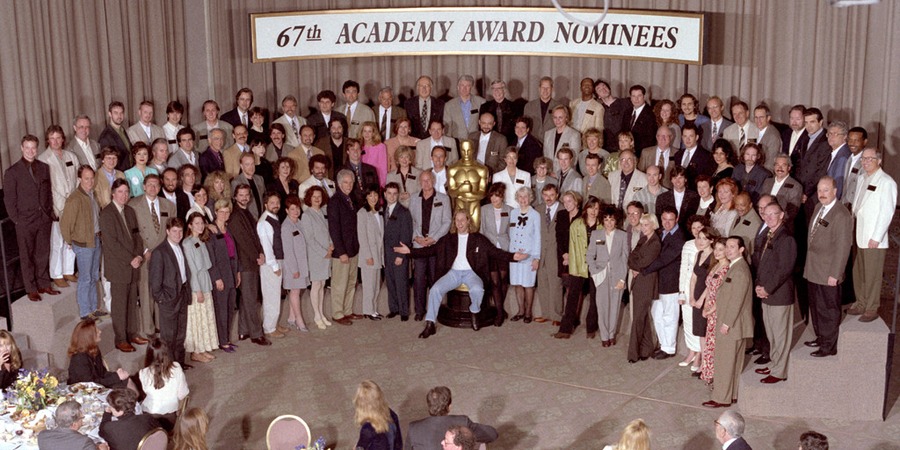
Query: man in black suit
[502, 109]
[696, 159]
[791, 136]
[26, 195]
[364, 174]
[249, 177]
[342, 226]
[529, 148]
[129, 428]
[172, 192]
[427, 433]
[641, 121]
[729, 428]
[397, 229]
[242, 227]
[423, 108]
[321, 119]
[815, 155]
[240, 115]
[115, 136]
[170, 287]
[679, 199]
[665, 309]
[455, 267]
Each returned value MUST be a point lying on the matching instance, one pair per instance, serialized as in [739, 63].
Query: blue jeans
[88, 260]
[449, 282]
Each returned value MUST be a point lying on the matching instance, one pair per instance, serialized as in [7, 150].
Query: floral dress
[713, 282]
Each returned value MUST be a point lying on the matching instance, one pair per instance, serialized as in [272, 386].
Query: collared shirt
[110, 176]
[761, 133]
[776, 186]
[390, 209]
[146, 128]
[179, 256]
[482, 147]
[466, 107]
[823, 212]
[191, 157]
[665, 157]
[121, 209]
[688, 154]
[385, 115]
[520, 142]
[834, 153]
[637, 111]
[728, 443]
[267, 239]
[440, 181]
[679, 197]
[460, 262]
[731, 264]
[154, 206]
[351, 110]
[812, 137]
[795, 137]
[171, 197]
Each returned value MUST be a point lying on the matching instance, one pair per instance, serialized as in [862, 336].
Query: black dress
[701, 270]
[7, 378]
[84, 368]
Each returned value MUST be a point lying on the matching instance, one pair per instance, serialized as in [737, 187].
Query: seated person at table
[10, 360]
[190, 434]
[126, 432]
[66, 435]
[86, 363]
[163, 382]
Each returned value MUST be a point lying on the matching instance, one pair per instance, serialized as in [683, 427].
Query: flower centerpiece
[34, 390]
[318, 445]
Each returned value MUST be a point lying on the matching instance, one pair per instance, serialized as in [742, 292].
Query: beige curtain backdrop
[64, 57]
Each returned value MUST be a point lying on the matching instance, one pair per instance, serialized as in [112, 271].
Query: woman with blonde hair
[405, 174]
[400, 138]
[374, 151]
[10, 360]
[380, 426]
[636, 436]
[190, 431]
[217, 187]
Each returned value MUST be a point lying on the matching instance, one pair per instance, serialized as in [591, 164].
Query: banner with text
[624, 34]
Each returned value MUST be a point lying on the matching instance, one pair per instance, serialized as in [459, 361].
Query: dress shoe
[662, 355]
[696, 374]
[612, 341]
[125, 347]
[71, 278]
[762, 360]
[516, 318]
[605, 343]
[100, 313]
[763, 371]
[59, 282]
[820, 353]
[771, 380]
[138, 340]
[592, 335]
[868, 316]
[357, 316]
[404, 318]
[275, 335]
[556, 323]
[854, 311]
[712, 404]
[342, 321]
[643, 358]
[261, 341]
[419, 317]
[227, 348]
[283, 330]
[632, 361]
[428, 331]
[243, 337]
[375, 316]
[527, 319]
[561, 335]
[498, 321]
[34, 296]
[540, 320]
[475, 322]
[392, 315]
[48, 290]
[813, 343]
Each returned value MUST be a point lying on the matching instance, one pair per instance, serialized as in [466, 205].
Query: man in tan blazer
[63, 179]
[461, 113]
[662, 155]
[436, 138]
[232, 155]
[291, 120]
[742, 131]
[303, 152]
[211, 122]
[152, 212]
[587, 113]
[85, 149]
[145, 130]
[357, 113]
[549, 285]
[106, 175]
[768, 136]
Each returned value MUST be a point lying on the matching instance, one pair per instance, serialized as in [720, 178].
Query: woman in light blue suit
[524, 237]
[495, 227]
[607, 257]
[370, 231]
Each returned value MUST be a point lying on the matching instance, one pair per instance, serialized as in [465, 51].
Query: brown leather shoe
[556, 323]
[562, 335]
[59, 282]
[282, 329]
[342, 321]
[71, 278]
[713, 404]
[357, 316]
[275, 335]
[34, 296]
[868, 316]
[125, 347]
[539, 320]
[138, 340]
[49, 291]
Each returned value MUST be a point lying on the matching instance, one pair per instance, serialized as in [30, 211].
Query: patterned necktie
[548, 216]
[347, 113]
[715, 131]
[499, 117]
[661, 161]
[384, 125]
[244, 119]
[743, 137]
[425, 115]
[769, 235]
[815, 226]
[633, 118]
[296, 130]
[154, 216]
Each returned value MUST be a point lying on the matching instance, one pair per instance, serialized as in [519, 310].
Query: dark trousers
[397, 279]
[571, 315]
[825, 312]
[760, 340]
[173, 323]
[641, 343]
[124, 310]
[424, 278]
[34, 254]
[249, 322]
[223, 305]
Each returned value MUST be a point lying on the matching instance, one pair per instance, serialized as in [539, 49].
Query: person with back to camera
[380, 426]
[190, 432]
[635, 436]
[128, 428]
[425, 434]
[86, 363]
[163, 382]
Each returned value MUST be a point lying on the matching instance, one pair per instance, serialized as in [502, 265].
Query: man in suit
[540, 110]
[291, 120]
[697, 160]
[529, 147]
[785, 188]
[69, 420]
[242, 226]
[320, 119]
[86, 150]
[454, 267]
[662, 155]
[170, 287]
[773, 260]
[187, 139]
[625, 181]
[398, 227]
[614, 111]
[840, 154]
[640, 121]
[231, 156]
[791, 136]
[857, 140]
[750, 175]
[211, 122]
[128, 429]
[829, 241]
[561, 135]
[356, 113]
[735, 324]
[435, 138]
[490, 144]
[240, 115]
[768, 136]
[123, 251]
[115, 136]
[426, 434]
[28, 201]
[344, 258]
[319, 166]
[594, 183]
[423, 109]
[873, 209]
[334, 146]
[430, 212]
[815, 156]
[152, 213]
[145, 130]
[729, 428]
[748, 221]
[63, 178]
[742, 131]
[587, 113]
[302, 153]
[387, 113]
[213, 158]
[257, 186]
[364, 175]
[567, 176]
[461, 113]
[503, 110]
[714, 129]
[680, 198]
[549, 285]
[80, 229]
[665, 308]
[172, 192]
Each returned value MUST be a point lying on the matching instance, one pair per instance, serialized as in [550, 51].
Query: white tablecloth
[19, 434]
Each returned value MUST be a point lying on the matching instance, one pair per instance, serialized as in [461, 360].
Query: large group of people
[671, 208]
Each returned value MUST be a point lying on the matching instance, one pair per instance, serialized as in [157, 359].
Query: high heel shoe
[320, 324]
[292, 323]
[302, 328]
[327, 322]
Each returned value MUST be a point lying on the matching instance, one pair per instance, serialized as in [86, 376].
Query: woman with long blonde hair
[190, 431]
[380, 426]
[636, 436]
[10, 360]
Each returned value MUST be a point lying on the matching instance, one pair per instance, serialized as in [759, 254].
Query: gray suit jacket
[423, 152]
[600, 188]
[747, 227]
[370, 232]
[496, 150]
[570, 136]
[789, 196]
[179, 159]
[829, 248]
[489, 225]
[455, 121]
[573, 182]
[202, 131]
[600, 258]
[540, 125]
[427, 433]
[439, 225]
[136, 133]
[66, 438]
[93, 159]
[706, 140]
[771, 145]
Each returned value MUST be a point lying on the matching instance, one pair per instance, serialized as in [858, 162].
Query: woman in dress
[163, 382]
[223, 273]
[714, 280]
[277, 147]
[725, 158]
[380, 426]
[690, 112]
[707, 199]
[85, 362]
[284, 183]
[524, 237]
[512, 177]
[725, 215]
[577, 264]
[370, 232]
[374, 151]
[314, 227]
[643, 289]
[405, 174]
[401, 138]
[495, 220]
[295, 264]
[702, 262]
[665, 116]
[263, 166]
[217, 188]
[201, 337]
[10, 360]
[201, 204]
[648, 195]
[541, 178]
[136, 174]
[607, 259]
[190, 434]
[689, 251]
[258, 125]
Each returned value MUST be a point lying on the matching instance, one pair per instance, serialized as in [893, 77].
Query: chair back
[483, 446]
[183, 404]
[155, 439]
[287, 432]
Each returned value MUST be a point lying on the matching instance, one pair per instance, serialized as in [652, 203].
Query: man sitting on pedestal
[461, 258]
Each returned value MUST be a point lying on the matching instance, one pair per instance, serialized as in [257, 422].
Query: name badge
[728, 280]
[872, 187]
[438, 204]
[599, 242]
[164, 214]
[671, 158]
[854, 170]
[474, 111]
[590, 111]
[392, 218]
[201, 137]
[503, 214]
[789, 185]
[69, 164]
[325, 216]
[636, 189]
[746, 222]
[172, 141]
[196, 245]
[97, 156]
[512, 225]
[520, 181]
[354, 123]
[295, 233]
[495, 153]
[476, 249]
[823, 222]
[751, 140]
[411, 177]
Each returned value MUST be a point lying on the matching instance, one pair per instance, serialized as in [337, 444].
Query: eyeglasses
[869, 158]
[834, 134]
